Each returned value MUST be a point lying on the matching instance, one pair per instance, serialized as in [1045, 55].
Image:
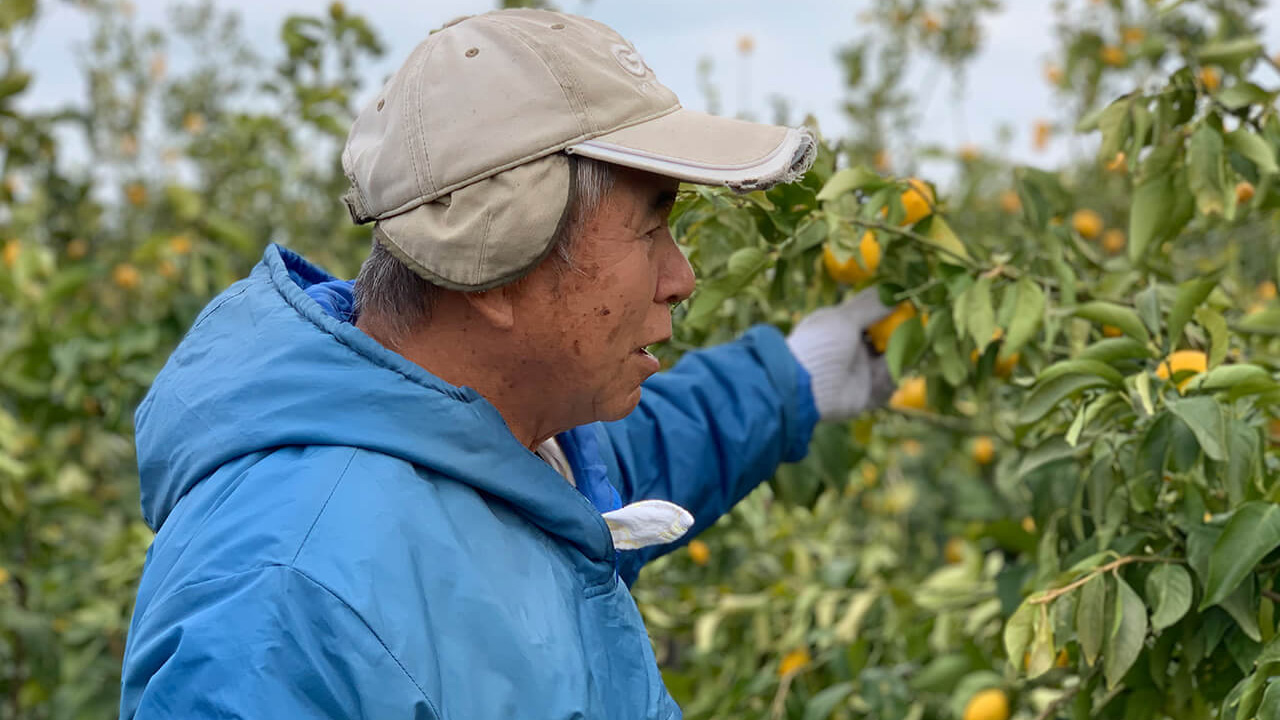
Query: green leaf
[746, 262]
[1191, 294]
[1270, 705]
[1241, 379]
[1091, 617]
[1252, 146]
[850, 179]
[1128, 631]
[1242, 95]
[1047, 396]
[1018, 631]
[1242, 606]
[979, 315]
[1152, 202]
[1112, 350]
[1203, 416]
[1206, 172]
[1042, 655]
[905, 346]
[1076, 366]
[941, 674]
[1252, 532]
[1162, 205]
[1027, 317]
[941, 236]
[1263, 322]
[1169, 593]
[825, 701]
[1219, 339]
[1229, 52]
[1105, 313]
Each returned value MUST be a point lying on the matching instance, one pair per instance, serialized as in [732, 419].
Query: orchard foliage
[1071, 511]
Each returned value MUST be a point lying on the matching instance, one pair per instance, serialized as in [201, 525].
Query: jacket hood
[264, 366]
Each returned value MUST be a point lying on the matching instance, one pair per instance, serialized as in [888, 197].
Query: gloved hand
[848, 376]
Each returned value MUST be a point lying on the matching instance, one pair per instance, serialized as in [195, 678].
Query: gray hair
[401, 300]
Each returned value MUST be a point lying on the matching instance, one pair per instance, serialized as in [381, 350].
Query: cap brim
[708, 150]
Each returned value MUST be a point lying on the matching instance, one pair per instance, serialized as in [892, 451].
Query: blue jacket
[340, 534]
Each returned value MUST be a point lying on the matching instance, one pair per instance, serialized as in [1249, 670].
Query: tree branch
[1052, 595]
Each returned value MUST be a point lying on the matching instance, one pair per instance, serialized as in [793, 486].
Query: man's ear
[496, 306]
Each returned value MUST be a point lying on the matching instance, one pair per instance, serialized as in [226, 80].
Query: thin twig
[1271, 595]
[885, 227]
[1052, 595]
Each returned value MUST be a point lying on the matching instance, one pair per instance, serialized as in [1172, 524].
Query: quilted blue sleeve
[710, 430]
[268, 643]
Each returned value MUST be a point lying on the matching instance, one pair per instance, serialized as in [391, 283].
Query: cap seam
[418, 89]
[577, 102]
[484, 243]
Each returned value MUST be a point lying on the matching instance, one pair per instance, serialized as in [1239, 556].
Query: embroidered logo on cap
[629, 59]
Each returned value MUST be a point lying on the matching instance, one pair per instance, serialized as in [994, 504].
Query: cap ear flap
[488, 233]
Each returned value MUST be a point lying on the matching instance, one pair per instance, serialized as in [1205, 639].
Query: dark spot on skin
[577, 348]
[604, 311]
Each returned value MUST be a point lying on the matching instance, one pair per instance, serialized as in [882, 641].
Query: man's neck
[464, 353]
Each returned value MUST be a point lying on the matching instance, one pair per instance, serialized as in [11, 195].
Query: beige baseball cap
[461, 161]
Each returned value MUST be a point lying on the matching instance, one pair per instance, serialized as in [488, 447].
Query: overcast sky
[795, 46]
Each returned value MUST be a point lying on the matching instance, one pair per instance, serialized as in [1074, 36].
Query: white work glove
[848, 376]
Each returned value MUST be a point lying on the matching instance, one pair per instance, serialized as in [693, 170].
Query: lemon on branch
[1180, 361]
[851, 271]
[989, 704]
[912, 394]
[917, 201]
[881, 332]
[1087, 222]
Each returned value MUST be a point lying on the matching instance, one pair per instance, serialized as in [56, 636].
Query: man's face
[584, 330]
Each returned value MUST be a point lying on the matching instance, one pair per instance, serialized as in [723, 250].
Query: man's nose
[676, 281]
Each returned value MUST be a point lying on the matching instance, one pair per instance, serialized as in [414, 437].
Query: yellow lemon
[1182, 360]
[1210, 78]
[850, 271]
[699, 553]
[1029, 524]
[77, 249]
[180, 244]
[126, 276]
[1111, 331]
[1113, 241]
[1113, 56]
[983, 450]
[793, 662]
[1087, 222]
[989, 704]
[1266, 290]
[193, 123]
[1053, 74]
[1244, 192]
[12, 250]
[1133, 35]
[4, 575]
[917, 202]
[970, 153]
[1117, 163]
[881, 332]
[1042, 131]
[135, 193]
[953, 552]
[912, 394]
[1010, 202]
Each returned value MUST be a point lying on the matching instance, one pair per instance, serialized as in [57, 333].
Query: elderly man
[425, 495]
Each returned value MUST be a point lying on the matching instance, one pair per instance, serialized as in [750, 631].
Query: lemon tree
[1070, 508]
